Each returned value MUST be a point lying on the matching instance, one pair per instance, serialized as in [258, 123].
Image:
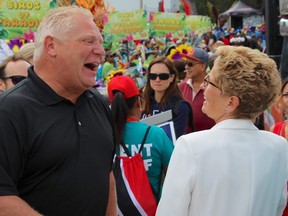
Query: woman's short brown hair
[250, 75]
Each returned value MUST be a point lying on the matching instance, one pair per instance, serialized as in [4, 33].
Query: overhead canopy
[240, 9]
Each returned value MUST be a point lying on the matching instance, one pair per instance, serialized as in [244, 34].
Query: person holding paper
[162, 93]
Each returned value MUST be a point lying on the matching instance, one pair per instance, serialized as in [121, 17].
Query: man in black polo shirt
[56, 137]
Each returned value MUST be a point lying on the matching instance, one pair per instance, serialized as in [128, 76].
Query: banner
[127, 25]
[162, 24]
[19, 17]
[197, 25]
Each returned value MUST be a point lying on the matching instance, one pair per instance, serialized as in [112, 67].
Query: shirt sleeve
[181, 119]
[282, 203]
[12, 155]
[179, 182]
[167, 149]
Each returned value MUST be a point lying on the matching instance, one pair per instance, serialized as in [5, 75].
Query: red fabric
[285, 213]
[161, 6]
[132, 119]
[137, 42]
[226, 41]
[120, 83]
[276, 110]
[279, 128]
[187, 7]
[136, 175]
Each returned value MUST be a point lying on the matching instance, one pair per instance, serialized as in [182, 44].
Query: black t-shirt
[54, 154]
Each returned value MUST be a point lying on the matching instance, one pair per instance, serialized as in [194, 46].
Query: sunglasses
[15, 79]
[162, 76]
[191, 64]
[206, 82]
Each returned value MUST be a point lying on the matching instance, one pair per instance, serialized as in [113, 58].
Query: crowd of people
[60, 131]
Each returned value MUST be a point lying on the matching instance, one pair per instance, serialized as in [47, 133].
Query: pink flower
[29, 36]
[129, 37]
[168, 35]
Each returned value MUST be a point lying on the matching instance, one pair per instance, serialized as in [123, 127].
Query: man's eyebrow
[92, 36]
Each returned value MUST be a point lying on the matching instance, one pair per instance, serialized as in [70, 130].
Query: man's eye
[88, 41]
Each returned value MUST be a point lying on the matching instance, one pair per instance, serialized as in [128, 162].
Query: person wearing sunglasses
[233, 169]
[12, 71]
[162, 93]
[196, 65]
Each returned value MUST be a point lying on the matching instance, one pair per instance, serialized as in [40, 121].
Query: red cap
[124, 84]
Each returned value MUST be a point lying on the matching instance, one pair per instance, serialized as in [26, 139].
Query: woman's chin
[204, 109]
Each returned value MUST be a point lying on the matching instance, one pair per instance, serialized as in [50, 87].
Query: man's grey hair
[56, 24]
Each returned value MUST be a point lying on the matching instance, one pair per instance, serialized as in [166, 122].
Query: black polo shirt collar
[45, 94]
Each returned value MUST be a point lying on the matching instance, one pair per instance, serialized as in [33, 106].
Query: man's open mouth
[91, 66]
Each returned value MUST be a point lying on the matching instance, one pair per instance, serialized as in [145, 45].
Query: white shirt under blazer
[233, 169]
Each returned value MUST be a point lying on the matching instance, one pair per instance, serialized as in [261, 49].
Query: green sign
[162, 24]
[197, 24]
[131, 24]
[19, 17]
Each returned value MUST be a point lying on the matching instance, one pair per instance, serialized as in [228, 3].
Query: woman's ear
[139, 103]
[172, 77]
[233, 104]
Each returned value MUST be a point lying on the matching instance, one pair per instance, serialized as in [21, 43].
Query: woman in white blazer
[233, 169]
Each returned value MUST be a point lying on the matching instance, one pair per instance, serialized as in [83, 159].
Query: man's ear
[49, 45]
[204, 67]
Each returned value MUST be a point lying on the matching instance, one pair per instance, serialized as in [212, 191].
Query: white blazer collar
[235, 124]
